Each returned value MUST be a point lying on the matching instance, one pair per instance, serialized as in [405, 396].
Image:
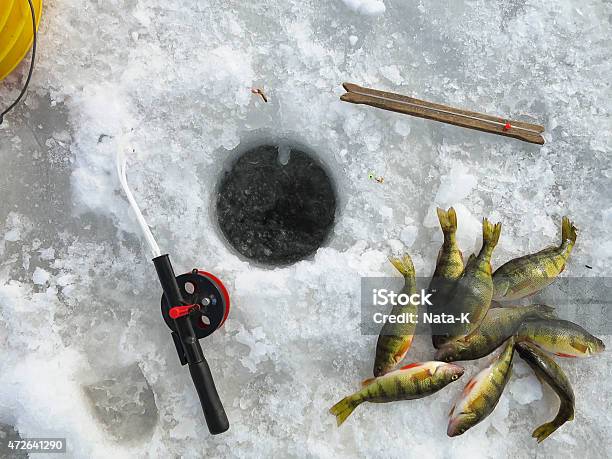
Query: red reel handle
[180, 311]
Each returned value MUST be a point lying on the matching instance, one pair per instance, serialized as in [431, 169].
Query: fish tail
[404, 265]
[448, 222]
[568, 231]
[344, 408]
[542, 432]
[490, 233]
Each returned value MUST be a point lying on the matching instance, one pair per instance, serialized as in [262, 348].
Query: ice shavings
[366, 7]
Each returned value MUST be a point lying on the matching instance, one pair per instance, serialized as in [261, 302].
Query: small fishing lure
[260, 92]
[379, 179]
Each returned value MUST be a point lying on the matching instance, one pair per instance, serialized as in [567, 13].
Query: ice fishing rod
[31, 71]
[193, 306]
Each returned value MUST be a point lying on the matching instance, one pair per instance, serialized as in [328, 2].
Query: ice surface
[124, 404]
[173, 83]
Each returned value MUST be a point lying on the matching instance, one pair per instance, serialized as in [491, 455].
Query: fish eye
[454, 377]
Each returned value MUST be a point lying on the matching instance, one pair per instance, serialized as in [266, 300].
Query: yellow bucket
[16, 32]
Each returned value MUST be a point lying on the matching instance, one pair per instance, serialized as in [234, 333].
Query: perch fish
[529, 274]
[395, 339]
[449, 267]
[413, 381]
[481, 394]
[498, 325]
[547, 370]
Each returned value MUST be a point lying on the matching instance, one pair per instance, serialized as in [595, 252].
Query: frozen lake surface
[84, 352]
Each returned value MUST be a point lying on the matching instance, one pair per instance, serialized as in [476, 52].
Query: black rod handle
[167, 278]
[216, 419]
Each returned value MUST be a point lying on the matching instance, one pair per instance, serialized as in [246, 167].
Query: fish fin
[402, 351]
[367, 382]
[519, 288]
[490, 233]
[566, 356]
[448, 220]
[568, 231]
[501, 289]
[411, 365]
[580, 347]
[469, 386]
[542, 432]
[404, 265]
[452, 410]
[344, 408]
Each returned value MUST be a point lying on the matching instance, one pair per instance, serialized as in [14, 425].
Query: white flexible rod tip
[121, 163]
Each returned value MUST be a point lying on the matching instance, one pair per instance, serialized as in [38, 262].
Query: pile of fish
[533, 331]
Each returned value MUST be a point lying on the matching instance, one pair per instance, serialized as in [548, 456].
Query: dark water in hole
[273, 213]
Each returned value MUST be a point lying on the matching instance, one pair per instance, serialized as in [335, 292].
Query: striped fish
[474, 289]
[560, 337]
[529, 274]
[413, 381]
[481, 394]
[498, 325]
[449, 267]
[547, 370]
[395, 339]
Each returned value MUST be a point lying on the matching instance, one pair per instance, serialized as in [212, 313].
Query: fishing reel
[193, 306]
[207, 303]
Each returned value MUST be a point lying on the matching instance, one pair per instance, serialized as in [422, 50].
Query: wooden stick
[472, 120]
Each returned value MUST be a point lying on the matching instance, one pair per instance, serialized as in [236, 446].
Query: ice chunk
[397, 248]
[525, 390]
[40, 276]
[455, 186]
[12, 235]
[367, 7]
[402, 127]
[408, 235]
[392, 73]
[47, 254]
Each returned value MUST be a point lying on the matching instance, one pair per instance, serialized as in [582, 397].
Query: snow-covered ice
[85, 353]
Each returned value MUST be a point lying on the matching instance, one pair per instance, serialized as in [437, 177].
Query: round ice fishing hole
[276, 205]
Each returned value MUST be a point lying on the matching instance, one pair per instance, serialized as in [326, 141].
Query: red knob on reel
[207, 302]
